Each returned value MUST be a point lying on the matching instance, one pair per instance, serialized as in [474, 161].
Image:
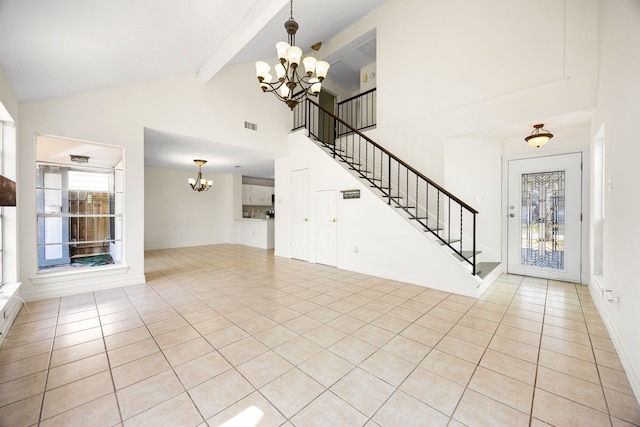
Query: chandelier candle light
[199, 184]
[289, 86]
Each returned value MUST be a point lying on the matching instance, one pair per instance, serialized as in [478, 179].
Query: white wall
[442, 73]
[368, 77]
[462, 90]
[388, 245]
[618, 109]
[177, 216]
[9, 307]
[8, 98]
[118, 116]
[473, 173]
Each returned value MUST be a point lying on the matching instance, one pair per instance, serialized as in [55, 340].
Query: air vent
[250, 126]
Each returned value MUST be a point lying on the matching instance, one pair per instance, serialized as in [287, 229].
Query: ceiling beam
[250, 25]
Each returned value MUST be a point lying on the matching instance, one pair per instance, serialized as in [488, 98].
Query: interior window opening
[79, 204]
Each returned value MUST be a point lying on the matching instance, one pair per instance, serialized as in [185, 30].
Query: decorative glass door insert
[543, 220]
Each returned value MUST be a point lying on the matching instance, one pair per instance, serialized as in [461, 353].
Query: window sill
[83, 274]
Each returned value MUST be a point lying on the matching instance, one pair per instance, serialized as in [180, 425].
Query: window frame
[112, 243]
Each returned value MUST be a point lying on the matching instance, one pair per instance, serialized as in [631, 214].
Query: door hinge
[580, 217]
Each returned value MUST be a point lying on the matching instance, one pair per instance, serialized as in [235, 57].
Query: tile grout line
[597, 365]
[466, 387]
[53, 341]
[233, 366]
[146, 325]
[535, 377]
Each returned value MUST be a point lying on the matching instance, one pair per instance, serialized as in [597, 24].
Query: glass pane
[90, 229]
[543, 225]
[80, 202]
[80, 229]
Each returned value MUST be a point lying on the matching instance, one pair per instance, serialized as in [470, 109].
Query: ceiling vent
[250, 126]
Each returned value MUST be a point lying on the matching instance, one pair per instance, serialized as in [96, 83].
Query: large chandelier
[289, 86]
[200, 184]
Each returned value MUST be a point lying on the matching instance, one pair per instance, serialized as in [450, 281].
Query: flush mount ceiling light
[289, 86]
[200, 184]
[539, 136]
[78, 158]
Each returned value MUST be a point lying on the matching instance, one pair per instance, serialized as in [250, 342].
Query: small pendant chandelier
[539, 136]
[289, 86]
[200, 184]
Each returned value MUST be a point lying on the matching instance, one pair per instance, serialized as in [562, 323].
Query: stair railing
[359, 111]
[436, 210]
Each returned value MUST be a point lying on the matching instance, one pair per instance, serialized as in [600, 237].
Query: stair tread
[450, 241]
[484, 268]
[465, 254]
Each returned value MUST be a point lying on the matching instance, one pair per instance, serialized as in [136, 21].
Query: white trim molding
[596, 289]
[63, 283]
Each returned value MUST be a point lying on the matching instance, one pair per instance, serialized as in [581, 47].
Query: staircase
[432, 209]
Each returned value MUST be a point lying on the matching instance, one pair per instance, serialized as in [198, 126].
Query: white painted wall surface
[9, 307]
[176, 216]
[368, 77]
[473, 173]
[258, 233]
[8, 99]
[387, 245]
[118, 116]
[618, 109]
[461, 75]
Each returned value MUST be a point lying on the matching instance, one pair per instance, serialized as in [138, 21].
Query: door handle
[512, 215]
[306, 219]
[333, 220]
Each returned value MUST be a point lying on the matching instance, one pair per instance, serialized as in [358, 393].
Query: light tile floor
[218, 329]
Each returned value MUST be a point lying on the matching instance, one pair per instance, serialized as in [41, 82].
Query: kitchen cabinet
[256, 195]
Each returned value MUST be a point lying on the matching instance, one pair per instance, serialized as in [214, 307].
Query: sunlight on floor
[250, 417]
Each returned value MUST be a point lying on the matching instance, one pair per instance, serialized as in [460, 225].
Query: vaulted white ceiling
[59, 47]
[53, 48]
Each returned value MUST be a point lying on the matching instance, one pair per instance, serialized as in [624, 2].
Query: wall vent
[250, 126]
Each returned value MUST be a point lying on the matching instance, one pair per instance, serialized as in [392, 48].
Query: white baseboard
[71, 287]
[489, 280]
[596, 288]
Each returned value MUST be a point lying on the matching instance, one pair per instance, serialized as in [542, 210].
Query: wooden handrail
[360, 95]
[396, 158]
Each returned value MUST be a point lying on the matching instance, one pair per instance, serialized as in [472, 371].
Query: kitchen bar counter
[256, 232]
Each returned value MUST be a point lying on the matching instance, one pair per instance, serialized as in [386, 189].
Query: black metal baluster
[449, 221]
[474, 244]
[438, 212]
[460, 229]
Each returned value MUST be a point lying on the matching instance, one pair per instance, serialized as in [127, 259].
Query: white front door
[545, 217]
[325, 229]
[300, 214]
